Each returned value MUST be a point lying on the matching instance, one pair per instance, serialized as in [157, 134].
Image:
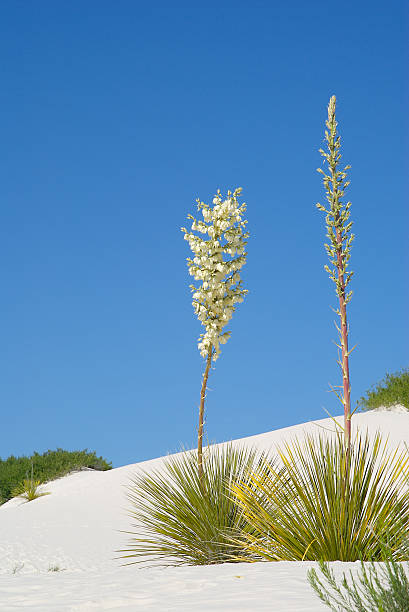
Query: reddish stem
[344, 343]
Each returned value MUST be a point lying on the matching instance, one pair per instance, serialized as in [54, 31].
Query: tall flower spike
[338, 248]
[216, 264]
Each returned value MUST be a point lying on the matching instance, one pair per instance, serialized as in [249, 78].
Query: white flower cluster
[217, 261]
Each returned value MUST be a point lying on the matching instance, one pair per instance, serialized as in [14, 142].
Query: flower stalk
[201, 415]
[217, 262]
[338, 250]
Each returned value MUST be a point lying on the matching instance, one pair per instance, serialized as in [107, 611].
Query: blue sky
[116, 116]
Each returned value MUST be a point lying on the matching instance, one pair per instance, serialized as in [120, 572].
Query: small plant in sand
[55, 568]
[29, 489]
[217, 262]
[377, 588]
[338, 250]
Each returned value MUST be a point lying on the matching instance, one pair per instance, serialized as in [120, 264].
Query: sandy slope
[77, 529]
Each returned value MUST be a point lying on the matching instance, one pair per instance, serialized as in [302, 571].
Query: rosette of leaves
[183, 520]
[318, 502]
[29, 489]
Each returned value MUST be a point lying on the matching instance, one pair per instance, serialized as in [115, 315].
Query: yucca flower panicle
[218, 241]
[218, 259]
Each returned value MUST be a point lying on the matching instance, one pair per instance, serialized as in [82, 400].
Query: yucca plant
[377, 588]
[319, 502]
[29, 489]
[182, 518]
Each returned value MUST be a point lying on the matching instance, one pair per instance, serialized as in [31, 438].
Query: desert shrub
[183, 518]
[319, 502]
[46, 467]
[392, 389]
[377, 588]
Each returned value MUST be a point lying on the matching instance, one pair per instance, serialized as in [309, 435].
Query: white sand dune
[77, 529]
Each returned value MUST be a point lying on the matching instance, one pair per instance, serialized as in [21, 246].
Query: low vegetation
[316, 500]
[377, 588]
[184, 518]
[29, 490]
[48, 466]
[319, 501]
[55, 568]
[17, 568]
[392, 389]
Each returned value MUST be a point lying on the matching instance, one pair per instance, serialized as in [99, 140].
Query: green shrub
[377, 588]
[319, 502]
[46, 467]
[182, 519]
[393, 389]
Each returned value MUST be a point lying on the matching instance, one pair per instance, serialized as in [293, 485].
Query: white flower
[221, 285]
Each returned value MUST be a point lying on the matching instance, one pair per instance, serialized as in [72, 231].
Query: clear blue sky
[115, 117]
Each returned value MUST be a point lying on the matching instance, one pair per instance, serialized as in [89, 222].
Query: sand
[57, 553]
